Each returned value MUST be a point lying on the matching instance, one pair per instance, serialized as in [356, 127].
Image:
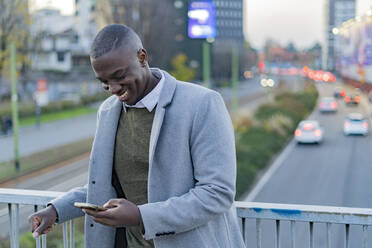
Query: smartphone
[89, 206]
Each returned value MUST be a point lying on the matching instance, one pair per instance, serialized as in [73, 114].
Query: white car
[309, 132]
[355, 124]
[327, 104]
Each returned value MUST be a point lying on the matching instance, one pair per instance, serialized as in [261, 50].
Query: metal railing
[303, 213]
[16, 197]
[245, 210]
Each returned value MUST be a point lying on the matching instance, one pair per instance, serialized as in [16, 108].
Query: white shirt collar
[152, 98]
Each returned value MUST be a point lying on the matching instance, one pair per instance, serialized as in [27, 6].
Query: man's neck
[152, 82]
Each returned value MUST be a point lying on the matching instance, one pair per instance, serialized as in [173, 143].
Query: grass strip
[44, 159]
[55, 116]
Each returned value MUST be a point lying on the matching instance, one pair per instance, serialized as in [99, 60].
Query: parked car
[352, 99]
[309, 132]
[355, 124]
[339, 93]
[328, 104]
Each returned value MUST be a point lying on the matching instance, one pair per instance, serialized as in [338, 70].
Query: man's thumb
[43, 225]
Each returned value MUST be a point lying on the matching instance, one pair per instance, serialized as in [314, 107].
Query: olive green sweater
[131, 162]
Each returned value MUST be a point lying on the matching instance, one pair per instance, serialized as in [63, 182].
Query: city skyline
[299, 21]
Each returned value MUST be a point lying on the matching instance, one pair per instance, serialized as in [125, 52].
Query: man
[162, 161]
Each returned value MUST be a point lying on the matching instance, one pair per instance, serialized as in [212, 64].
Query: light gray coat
[192, 172]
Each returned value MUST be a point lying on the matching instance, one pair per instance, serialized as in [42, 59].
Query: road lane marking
[270, 172]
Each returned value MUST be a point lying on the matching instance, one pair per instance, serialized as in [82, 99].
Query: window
[60, 56]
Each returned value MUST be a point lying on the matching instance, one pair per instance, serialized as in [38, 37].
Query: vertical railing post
[72, 231]
[243, 230]
[347, 231]
[365, 236]
[65, 235]
[328, 235]
[16, 231]
[258, 233]
[44, 243]
[277, 236]
[293, 234]
[38, 241]
[11, 229]
[311, 226]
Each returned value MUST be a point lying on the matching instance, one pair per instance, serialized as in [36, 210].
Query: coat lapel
[109, 118]
[165, 98]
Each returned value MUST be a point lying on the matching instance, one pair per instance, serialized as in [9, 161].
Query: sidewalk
[48, 135]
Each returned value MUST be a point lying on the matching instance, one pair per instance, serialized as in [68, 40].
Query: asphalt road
[334, 173]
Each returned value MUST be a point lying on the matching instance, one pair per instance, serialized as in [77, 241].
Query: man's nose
[114, 88]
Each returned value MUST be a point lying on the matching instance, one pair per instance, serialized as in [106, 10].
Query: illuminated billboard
[201, 20]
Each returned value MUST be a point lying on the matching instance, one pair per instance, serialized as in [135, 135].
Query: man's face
[122, 72]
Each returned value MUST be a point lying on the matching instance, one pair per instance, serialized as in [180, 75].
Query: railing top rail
[329, 214]
[27, 197]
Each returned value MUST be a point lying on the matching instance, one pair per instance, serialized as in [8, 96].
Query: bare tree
[14, 26]
[152, 20]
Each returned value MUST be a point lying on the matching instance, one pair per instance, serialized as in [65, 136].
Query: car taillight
[357, 98]
[318, 132]
[346, 124]
[347, 99]
[365, 124]
[298, 132]
[342, 93]
[333, 105]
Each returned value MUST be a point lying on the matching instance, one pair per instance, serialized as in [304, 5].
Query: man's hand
[120, 213]
[42, 221]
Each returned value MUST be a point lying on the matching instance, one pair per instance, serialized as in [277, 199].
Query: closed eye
[102, 81]
[120, 78]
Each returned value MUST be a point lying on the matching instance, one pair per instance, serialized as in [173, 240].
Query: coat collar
[165, 99]
[167, 92]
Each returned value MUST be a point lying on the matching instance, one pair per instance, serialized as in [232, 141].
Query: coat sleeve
[65, 204]
[212, 147]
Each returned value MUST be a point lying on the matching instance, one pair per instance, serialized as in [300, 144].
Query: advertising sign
[41, 95]
[201, 20]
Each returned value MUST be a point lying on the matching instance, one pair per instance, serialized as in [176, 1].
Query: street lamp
[270, 83]
[178, 4]
[335, 31]
[267, 84]
[264, 82]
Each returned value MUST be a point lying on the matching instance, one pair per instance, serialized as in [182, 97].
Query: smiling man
[162, 162]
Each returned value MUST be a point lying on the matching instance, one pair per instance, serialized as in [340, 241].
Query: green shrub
[254, 151]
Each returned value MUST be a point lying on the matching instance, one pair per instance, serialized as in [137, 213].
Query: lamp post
[235, 77]
[13, 77]
[207, 63]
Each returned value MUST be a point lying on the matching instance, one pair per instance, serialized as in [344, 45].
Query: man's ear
[142, 57]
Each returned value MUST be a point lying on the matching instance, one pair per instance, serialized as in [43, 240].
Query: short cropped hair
[109, 38]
